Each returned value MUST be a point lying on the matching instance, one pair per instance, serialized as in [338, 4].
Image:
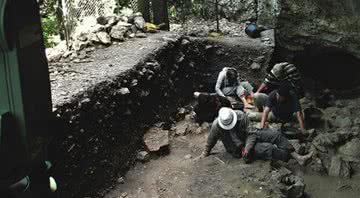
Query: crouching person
[232, 127]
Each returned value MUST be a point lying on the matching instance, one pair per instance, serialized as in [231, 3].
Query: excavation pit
[107, 105]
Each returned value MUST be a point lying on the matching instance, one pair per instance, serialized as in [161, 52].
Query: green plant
[50, 28]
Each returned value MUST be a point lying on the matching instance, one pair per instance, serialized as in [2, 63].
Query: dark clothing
[265, 144]
[284, 110]
[270, 144]
[235, 139]
[207, 107]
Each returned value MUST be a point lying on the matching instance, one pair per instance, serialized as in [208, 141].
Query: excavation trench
[105, 120]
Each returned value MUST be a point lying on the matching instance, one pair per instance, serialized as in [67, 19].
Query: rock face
[267, 12]
[324, 23]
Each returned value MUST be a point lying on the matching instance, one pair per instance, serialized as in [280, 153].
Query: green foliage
[50, 28]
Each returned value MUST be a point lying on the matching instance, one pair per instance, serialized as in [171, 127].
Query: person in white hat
[232, 127]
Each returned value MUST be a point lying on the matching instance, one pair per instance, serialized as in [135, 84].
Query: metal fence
[76, 10]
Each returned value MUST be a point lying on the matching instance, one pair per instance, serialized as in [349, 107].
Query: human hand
[252, 94]
[244, 152]
[204, 154]
[248, 106]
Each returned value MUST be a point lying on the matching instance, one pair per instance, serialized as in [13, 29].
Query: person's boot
[301, 159]
[299, 148]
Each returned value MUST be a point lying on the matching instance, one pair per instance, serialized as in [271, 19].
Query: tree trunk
[60, 19]
[144, 8]
[160, 11]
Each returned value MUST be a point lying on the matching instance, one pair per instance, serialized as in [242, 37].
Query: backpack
[252, 30]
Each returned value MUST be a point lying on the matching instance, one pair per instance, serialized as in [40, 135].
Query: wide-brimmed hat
[227, 118]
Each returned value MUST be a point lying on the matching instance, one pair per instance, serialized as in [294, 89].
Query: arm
[262, 87]
[300, 118]
[219, 83]
[264, 117]
[241, 92]
[214, 136]
[299, 113]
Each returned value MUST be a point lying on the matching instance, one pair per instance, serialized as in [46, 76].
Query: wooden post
[217, 16]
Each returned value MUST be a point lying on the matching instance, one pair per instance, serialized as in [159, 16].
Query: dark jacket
[208, 106]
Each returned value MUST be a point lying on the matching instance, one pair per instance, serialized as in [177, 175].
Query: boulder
[104, 38]
[102, 20]
[351, 150]
[97, 28]
[139, 22]
[82, 36]
[92, 37]
[268, 37]
[156, 139]
[342, 122]
[118, 32]
[79, 45]
[280, 174]
[143, 156]
[339, 168]
[124, 91]
[112, 20]
[53, 54]
[121, 23]
[326, 141]
[255, 66]
[296, 190]
[140, 35]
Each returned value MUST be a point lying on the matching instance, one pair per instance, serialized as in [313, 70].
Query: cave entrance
[328, 68]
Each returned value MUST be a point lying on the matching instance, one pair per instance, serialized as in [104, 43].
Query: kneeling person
[232, 127]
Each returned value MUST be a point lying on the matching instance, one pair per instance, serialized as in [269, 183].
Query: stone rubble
[98, 32]
[143, 156]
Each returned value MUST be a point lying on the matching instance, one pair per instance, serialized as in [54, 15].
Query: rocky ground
[179, 173]
[73, 77]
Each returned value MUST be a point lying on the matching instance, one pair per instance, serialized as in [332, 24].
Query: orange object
[249, 100]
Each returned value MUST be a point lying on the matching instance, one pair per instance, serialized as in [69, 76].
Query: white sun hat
[227, 118]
